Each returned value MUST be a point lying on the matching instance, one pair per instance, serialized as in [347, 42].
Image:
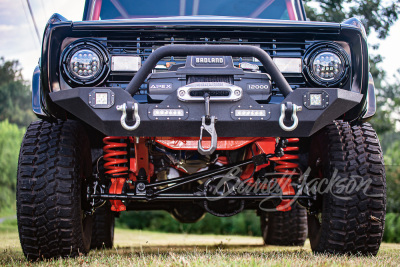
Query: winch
[216, 74]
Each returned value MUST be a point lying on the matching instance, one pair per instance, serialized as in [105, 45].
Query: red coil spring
[284, 166]
[115, 154]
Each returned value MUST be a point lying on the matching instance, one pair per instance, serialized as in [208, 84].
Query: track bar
[171, 197]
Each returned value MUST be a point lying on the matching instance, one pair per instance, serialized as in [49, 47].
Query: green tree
[15, 95]
[10, 141]
[388, 106]
[392, 167]
[376, 15]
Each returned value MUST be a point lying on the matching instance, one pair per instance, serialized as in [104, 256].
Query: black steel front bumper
[107, 120]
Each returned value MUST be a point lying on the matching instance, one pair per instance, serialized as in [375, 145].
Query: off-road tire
[53, 163]
[103, 228]
[287, 228]
[354, 225]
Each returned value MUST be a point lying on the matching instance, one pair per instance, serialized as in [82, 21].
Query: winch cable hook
[208, 124]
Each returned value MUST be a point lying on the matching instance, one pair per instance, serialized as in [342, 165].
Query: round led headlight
[84, 63]
[327, 65]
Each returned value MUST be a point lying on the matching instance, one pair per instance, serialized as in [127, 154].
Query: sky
[19, 40]
[18, 37]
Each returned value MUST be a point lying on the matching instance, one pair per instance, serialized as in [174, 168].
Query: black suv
[196, 106]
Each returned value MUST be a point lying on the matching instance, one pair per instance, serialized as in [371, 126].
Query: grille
[145, 42]
[145, 46]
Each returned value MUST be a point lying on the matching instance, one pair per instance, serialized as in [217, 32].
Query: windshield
[128, 9]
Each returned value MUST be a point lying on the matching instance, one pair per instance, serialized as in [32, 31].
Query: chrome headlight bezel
[103, 65]
[317, 50]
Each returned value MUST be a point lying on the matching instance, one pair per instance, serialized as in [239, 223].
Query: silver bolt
[181, 92]
[237, 92]
[141, 186]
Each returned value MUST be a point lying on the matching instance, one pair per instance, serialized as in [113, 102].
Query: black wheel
[53, 164]
[103, 228]
[349, 219]
[287, 228]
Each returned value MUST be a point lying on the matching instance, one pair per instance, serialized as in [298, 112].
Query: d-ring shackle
[294, 117]
[135, 108]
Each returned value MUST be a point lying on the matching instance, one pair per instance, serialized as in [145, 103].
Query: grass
[142, 248]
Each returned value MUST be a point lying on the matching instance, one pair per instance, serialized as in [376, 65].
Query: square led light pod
[101, 98]
[316, 99]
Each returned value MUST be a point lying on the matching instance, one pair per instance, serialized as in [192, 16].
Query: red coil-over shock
[288, 167]
[116, 157]
[287, 164]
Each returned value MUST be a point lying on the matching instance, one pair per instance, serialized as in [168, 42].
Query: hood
[204, 21]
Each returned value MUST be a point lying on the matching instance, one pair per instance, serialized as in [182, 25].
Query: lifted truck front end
[228, 112]
[201, 114]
